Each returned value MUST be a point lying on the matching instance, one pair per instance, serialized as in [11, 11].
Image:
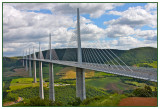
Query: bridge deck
[135, 72]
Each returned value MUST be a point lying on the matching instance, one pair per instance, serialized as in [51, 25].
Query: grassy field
[70, 73]
[21, 83]
[109, 83]
[116, 83]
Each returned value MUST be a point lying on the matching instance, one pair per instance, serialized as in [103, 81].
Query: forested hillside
[130, 57]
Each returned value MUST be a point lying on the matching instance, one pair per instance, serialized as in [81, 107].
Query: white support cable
[105, 59]
[88, 49]
[116, 60]
[98, 61]
[121, 61]
[111, 60]
[84, 58]
[96, 54]
[108, 56]
[83, 53]
[88, 61]
[87, 54]
[74, 39]
[64, 56]
[100, 57]
[94, 57]
[99, 64]
[104, 56]
[91, 57]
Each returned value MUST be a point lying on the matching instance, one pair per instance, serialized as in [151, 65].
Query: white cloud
[126, 43]
[151, 6]
[146, 34]
[94, 9]
[134, 17]
[26, 25]
[119, 31]
[8, 49]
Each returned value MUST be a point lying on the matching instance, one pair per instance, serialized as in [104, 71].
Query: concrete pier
[26, 62]
[51, 74]
[41, 93]
[51, 82]
[34, 70]
[80, 84]
[26, 65]
[30, 70]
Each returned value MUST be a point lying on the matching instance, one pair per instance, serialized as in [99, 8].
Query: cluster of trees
[145, 92]
[36, 101]
[64, 95]
[10, 97]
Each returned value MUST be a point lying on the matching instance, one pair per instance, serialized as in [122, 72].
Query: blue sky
[115, 25]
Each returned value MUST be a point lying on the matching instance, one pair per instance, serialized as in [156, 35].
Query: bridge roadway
[149, 74]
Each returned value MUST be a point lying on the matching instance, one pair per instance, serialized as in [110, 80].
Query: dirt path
[13, 102]
[138, 101]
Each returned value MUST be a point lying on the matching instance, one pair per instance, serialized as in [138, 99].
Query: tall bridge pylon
[51, 73]
[41, 90]
[80, 74]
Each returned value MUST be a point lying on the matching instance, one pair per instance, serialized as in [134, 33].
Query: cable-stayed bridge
[83, 58]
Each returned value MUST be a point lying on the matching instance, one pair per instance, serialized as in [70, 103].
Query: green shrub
[11, 97]
[89, 100]
[36, 101]
[77, 102]
[143, 92]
